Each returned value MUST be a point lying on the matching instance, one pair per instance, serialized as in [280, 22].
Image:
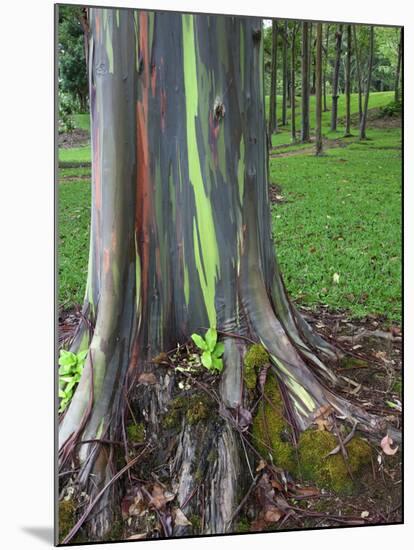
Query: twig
[82, 519]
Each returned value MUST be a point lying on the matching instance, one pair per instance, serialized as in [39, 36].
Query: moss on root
[270, 430]
[136, 433]
[194, 408]
[331, 472]
[66, 518]
[255, 358]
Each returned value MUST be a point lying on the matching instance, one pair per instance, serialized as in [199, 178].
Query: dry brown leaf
[386, 445]
[160, 497]
[137, 536]
[161, 358]
[262, 464]
[322, 419]
[180, 518]
[272, 514]
[147, 378]
[307, 491]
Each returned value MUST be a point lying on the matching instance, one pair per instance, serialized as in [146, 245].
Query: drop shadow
[45, 534]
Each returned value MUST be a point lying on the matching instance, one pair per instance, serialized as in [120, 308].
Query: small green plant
[70, 372]
[212, 350]
[393, 108]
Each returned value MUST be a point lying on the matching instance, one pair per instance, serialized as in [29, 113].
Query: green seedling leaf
[199, 341]
[219, 350]
[217, 363]
[62, 394]
[67, 358]
[211, 338]
[81, 356]
[206, 359]
[65, 369]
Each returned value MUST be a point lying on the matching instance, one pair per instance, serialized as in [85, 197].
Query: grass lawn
[377, 99]
[342, 215]
[73, 224]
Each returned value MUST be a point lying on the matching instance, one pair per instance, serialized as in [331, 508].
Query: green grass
[73, 226]
[82, 121]
[376, 100]
[343, 216]
[75, 154]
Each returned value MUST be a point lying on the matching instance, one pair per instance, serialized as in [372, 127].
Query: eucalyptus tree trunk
[398, 71]
[273, 83]
[325, 63]
[305, 130]
[180, 241]
[363, 124]
[358, 68]
[318, 90]
[348, 81]
[285, 74]
[293, 83]
[335, 80]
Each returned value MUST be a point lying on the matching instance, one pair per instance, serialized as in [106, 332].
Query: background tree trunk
[305, 130]
[358, 69]
[273, 83]
[348, 81]
[318, 98]
[363, 125]
[325, 64]
[285, 74]
[181, 241]
[335, 80]
[398, 71]
[293, 83]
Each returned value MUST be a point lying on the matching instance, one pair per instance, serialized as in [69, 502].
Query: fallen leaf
[160, 497]
[321, 418]
[180, 518]
[161, 358]
[386, 443]
[364, 514]
[335, 278]
[147, 378]
[138, 536]
[307, 491]
[272, 514]
[262, 464]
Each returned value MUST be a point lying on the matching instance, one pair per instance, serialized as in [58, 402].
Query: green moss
[270, 430]
[195, 408]
[348, 362]
[331, 472]
[255, 358]
[198, 409]
[196, 524]
[242, 526]
[116, 533]
[66, 517]
[136, 433]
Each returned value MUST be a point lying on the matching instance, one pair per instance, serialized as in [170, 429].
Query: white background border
[27, 270]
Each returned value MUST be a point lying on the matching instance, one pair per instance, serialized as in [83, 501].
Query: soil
[73, 139]
[373, 369]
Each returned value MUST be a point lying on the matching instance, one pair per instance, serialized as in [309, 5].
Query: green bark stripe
[208, 255]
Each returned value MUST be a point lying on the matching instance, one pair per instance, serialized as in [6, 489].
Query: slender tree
[293, 82]
[398, 71]
[363, 124]
[358, 69]
[318, 89]
[181, 240]
[273, 83]
[285, 73]
[311, 63]
[305, 130]
[348, 81]
[325, 64]
[335, 79]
